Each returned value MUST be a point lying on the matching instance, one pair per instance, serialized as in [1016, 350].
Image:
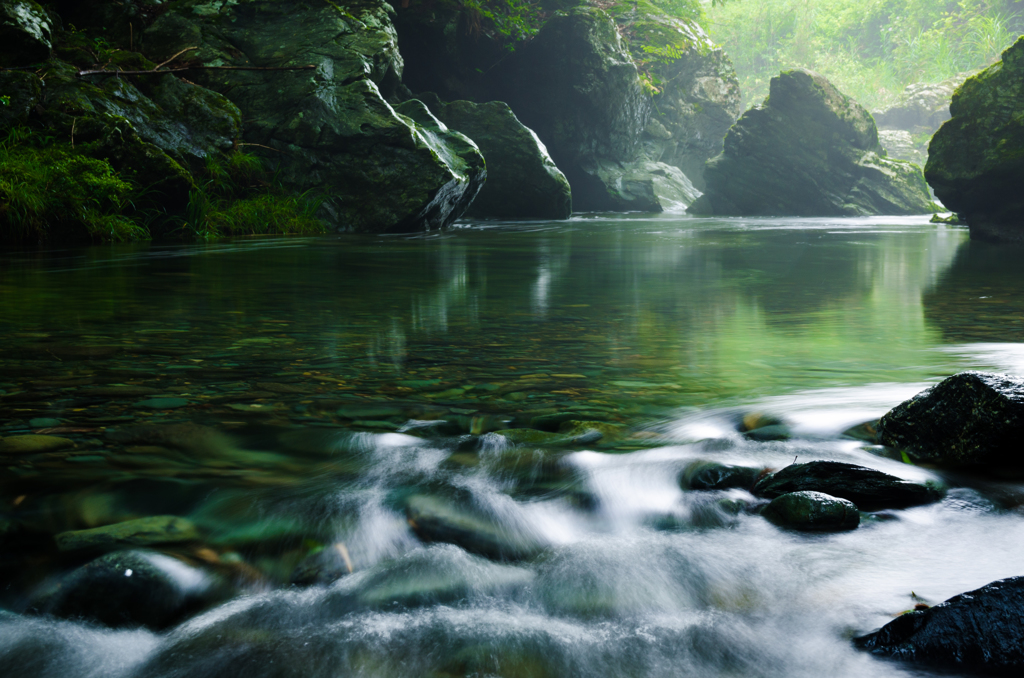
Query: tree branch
[104, 71]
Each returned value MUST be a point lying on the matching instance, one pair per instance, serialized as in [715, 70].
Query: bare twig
[269, 148]
[198, 68]
[164, 63]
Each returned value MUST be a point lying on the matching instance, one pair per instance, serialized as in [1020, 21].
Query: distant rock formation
[975, 162]
[906, 128]
[809, 150]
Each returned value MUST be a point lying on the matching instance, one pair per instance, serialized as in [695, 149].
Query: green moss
[55, 187]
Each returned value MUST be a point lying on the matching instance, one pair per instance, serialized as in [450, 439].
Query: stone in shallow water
[43, 422]
[710, 475]
[33, 444]
[812, 512]
[869, 489]
[969, 419]
[130, 588]
[529, 436]
[142, 532]
[435, 519]
[982, 630]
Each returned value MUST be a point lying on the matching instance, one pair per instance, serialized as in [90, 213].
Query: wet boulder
[709, 475]
[809, 150]
[977, 631]
[25, 33]
[317, 97]
[869, 489]
[131, 588]
[437, 519]
[969, 419]
[809, 511]
[578, 88]
[974, 162]
[522, 179]
[644, 186]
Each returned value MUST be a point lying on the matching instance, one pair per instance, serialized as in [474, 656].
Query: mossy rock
[577, 87]
[809, 150]
[329, 128]
[25, 33]
[976, 159]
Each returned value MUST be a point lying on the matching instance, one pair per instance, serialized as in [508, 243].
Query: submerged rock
[709, 475]
[522, 179]
[981, 630]
[869, 489]
[974, 161]
[809, 150]
[812, 512]
[25, 30]
[434, 519]
[150, 531]
[33, 444]
[969, 419]
[330, 127]
[131, 588]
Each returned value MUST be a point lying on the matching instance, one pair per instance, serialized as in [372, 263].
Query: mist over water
[673, 328]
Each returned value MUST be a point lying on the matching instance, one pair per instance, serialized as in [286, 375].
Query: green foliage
[871, 49]
[507, 21]
[46, 185]
[238, 196]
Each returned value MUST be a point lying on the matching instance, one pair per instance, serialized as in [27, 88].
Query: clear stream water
[330, 378]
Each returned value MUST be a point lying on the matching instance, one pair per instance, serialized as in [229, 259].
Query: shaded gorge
[483, 452]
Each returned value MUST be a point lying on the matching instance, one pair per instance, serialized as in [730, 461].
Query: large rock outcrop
[577, 87]
[978, 631]
[809, 150]
[329, 128]
[25, 31]
[969, 419]
[975, 162]
[697, 94]
[523, 181]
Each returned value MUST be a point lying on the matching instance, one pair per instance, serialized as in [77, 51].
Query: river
[328, 380]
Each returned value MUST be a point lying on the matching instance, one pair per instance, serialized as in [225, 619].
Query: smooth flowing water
[294, 398]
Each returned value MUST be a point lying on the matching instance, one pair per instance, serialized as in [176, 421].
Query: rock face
[330, 128]
[905, 128]
[809, 150]
[982, 630]
[812, 512]
[577, 87]
[698, 97]
[869, 489]
[522, 179]
[130, 588]
[974, 163]
[25, 30]
[969, 419]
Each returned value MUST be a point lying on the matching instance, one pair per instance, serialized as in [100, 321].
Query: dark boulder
[812, 512]
[969, 419]
[131, 588]
[809, 150]
[522, 179]
[974, 160]
[978, 631]
[869, 489]
[330, 128]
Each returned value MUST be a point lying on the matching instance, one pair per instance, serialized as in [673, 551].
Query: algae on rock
[809, 150]
[976, 159]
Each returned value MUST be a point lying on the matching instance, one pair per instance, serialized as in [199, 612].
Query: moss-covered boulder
[25, 32]
[696, 93]
[578, 88]
[317, 101]
[976, 159]
[522, 179]
[809, 150]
